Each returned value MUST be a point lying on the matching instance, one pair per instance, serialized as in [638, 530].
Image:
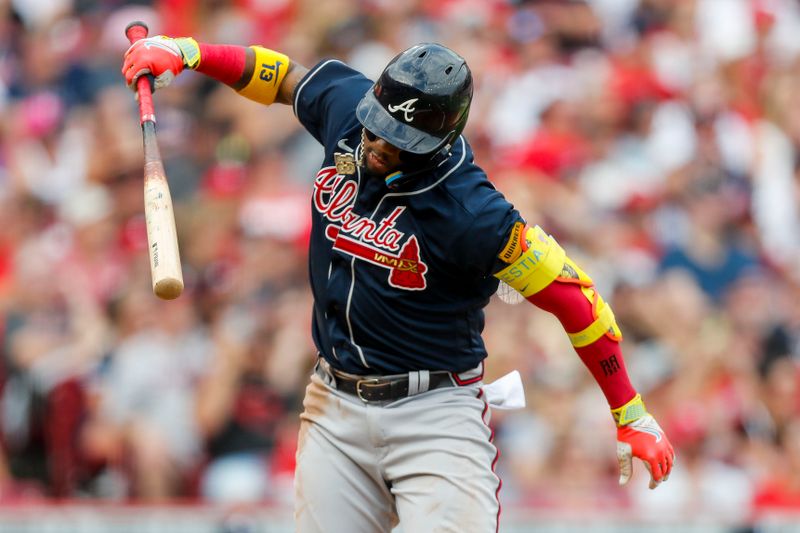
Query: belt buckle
[358, 387]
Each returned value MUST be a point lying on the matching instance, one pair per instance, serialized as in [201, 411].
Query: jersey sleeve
[492, 226]
[325, 99]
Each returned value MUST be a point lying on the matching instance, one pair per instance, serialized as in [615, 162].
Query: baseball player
[409, 241]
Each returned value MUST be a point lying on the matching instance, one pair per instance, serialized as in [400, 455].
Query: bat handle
[134, 31]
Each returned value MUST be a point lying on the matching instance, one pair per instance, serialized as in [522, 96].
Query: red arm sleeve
[223, 62]
[604, 356]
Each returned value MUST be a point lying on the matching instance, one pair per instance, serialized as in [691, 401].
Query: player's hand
[160, 56]
[639, 435]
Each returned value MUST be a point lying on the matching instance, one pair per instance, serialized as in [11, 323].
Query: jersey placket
[360, 194]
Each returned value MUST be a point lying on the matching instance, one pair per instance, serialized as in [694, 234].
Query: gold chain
[361, 147]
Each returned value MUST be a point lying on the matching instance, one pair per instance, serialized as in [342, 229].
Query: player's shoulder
[467, 218]
[467, 184]
[329, 73]
[328, 69]
[325, 100]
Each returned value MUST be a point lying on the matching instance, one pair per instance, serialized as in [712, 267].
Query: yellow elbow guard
[270, 69]
[538, 265]
[541, 262]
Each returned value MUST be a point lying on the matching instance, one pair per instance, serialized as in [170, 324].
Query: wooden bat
[162, 238]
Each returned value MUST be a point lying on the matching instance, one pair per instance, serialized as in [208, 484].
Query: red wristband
[223, 62]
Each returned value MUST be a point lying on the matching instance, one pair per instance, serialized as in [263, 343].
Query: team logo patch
[406, 108]
[163, 46]
[513, 248]
[345, 163]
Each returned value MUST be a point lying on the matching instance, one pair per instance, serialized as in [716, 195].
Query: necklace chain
[360, 149]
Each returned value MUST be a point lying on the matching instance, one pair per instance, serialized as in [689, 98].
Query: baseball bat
[162, 237]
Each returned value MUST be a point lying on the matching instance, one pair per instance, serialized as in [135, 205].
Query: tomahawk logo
[406, 270]
[406, 108]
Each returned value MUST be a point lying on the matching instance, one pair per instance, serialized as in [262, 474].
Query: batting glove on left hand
[161, 56]
[639, 435]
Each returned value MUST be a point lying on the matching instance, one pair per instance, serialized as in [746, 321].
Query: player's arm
[255, 72]
[535, 265]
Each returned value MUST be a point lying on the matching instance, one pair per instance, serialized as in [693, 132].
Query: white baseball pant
[426, 460]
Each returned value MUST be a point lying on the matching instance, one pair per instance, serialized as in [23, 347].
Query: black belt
[385, 388]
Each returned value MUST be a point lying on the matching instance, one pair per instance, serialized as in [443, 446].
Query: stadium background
[656, 139]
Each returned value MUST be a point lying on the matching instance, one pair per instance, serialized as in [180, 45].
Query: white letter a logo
[406, 108]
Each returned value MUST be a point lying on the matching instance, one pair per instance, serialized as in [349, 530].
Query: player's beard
[376, 162]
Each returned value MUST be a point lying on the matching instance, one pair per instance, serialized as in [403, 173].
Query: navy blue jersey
[400, 277]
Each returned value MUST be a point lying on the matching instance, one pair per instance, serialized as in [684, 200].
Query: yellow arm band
[605, 323]
[538, 266]
[268, 73]
[631, 411]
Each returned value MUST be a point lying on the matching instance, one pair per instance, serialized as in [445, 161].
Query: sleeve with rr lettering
[603, 357]
[534, 264]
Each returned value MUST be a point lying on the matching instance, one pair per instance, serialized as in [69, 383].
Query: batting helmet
[421, 101]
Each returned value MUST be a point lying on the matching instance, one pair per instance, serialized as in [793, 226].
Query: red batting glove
[639, 435]
[159, 56]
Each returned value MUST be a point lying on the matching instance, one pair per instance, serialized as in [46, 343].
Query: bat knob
[136, 30]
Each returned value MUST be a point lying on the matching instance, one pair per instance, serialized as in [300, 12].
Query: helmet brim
[376, 119]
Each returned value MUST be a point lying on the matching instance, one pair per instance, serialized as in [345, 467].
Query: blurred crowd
[657, 140]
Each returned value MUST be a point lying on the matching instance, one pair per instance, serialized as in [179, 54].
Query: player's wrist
[190, 51]
[631, 411]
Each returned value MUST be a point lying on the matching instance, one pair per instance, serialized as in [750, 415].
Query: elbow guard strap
[269, 70]
[605, 323]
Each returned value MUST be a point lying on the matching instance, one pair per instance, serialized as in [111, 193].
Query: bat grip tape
[146, 110]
